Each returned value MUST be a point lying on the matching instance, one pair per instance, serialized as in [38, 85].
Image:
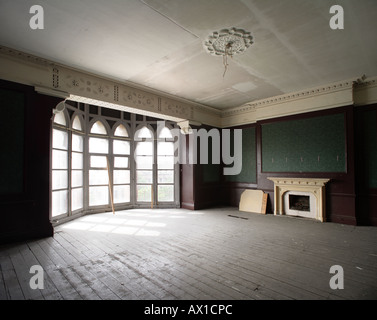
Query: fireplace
[299, 203]
[302, 197]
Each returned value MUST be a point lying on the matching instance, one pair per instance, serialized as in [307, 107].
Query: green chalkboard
[248, 173]
[369, 147]
[314, 144]
[11, 141]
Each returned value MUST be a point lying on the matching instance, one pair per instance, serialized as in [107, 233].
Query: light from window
[121, 147]
[60, 119]
[144, 193]
[98, 161]
[77, 124]
[121, 131]
[165, 133]
[144, 133]
[98, 145]
[77, 143]
[98, 128]
[98, 196]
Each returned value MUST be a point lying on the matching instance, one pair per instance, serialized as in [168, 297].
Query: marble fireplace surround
[309, 185]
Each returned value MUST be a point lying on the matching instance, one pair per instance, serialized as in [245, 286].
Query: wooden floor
[178, 254]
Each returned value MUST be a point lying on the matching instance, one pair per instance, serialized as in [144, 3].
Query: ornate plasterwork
[25, 68]
[24, 56]
[252, 106]
[228, 42]
[88, 88]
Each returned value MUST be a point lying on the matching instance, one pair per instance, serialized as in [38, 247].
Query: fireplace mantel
[310, 185]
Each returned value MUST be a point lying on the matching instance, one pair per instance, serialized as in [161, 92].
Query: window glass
[165, 148]
[98, 145]
[165, 193]
[165, 176]
[59, 179]
[59, 118]
[165, 162]
[121, 147]
[144, 177]
[165, 133]
[144, 193]
[121, 176]
[77, 124]
[98, 196]
[121, 194]
[77, 160]
[121, 131]
[121, 162]
[98, 161]
[77, 143]
[144, 148]
[77, 199]
[77, 178]
[60, 159]
[98, 177]
[59, 202]
[98, 128]
[59, 139]
[143, 133]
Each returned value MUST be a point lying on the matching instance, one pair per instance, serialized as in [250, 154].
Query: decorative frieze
[38, 72]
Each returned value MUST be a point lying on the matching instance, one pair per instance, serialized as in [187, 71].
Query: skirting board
[253, 201]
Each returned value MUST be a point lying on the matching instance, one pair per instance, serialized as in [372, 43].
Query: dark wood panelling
[366, 172]
[27, 215]
[340, 191]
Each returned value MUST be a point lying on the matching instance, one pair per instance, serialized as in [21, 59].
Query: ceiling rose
[228, 42]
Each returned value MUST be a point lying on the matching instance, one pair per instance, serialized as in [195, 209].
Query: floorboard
[176, 254]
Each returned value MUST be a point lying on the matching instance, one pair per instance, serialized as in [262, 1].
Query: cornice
[289, 97]
[85, 86]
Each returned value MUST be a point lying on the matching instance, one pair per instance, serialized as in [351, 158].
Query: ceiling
[159, 43]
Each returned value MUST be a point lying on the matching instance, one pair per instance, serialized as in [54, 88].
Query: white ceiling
[159, 43]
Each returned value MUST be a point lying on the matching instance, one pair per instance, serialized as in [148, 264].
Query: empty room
[174, 150]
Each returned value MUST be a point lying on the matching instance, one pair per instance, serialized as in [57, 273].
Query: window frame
[132, 123]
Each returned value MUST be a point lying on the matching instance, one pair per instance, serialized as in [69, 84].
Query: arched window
[60, 118]
[98, 165]
[59, 178]
[121, 131]
[77, 165]
[76, 124]
[165, 166]
[144, 153]
[121, 165]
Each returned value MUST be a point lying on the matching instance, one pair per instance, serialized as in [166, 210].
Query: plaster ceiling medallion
[227, 43]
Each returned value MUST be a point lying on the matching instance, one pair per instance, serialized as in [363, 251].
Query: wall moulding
[325, 97]
[366, 92]
[30, 70]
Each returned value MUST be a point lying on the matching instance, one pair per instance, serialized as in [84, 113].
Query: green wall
[307, 145]
[249, 159]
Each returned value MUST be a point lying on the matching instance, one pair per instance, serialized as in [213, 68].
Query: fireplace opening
[299, 203]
